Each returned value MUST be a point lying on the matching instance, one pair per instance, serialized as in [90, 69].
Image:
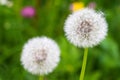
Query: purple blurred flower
[28, 12]
[92, 5]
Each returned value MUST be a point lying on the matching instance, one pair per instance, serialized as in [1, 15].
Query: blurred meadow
[48, 20]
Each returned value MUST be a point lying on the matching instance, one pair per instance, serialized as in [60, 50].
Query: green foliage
[15, 30]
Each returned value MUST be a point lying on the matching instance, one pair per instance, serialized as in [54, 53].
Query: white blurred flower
[9, 4]
[6, 2]
[3, 2]
[85, 28]
[40, 55]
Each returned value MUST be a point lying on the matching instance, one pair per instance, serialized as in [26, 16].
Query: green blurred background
[103, 60]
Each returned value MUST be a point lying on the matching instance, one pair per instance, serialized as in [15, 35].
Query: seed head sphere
[40, 55]
[85, 28]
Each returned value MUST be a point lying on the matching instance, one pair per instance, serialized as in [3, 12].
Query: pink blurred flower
[92, 5]
[28, 12]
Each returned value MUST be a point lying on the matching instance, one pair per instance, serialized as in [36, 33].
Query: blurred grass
[15, 30]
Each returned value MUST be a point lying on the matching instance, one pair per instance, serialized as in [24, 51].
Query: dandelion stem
[41, 78]
[84, 64]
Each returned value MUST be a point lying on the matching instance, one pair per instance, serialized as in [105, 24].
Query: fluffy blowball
[85, 28]
[40, 55]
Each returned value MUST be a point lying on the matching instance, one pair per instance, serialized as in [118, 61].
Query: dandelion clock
[85, 28]
[40, 56]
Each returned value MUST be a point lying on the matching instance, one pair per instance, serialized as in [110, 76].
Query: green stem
[84, 64]
[41, 78]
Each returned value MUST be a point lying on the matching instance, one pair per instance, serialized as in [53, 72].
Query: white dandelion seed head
[40, 55]
[85, 28]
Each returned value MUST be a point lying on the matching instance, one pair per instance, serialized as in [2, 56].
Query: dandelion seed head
[85, 28]
[40, 55]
